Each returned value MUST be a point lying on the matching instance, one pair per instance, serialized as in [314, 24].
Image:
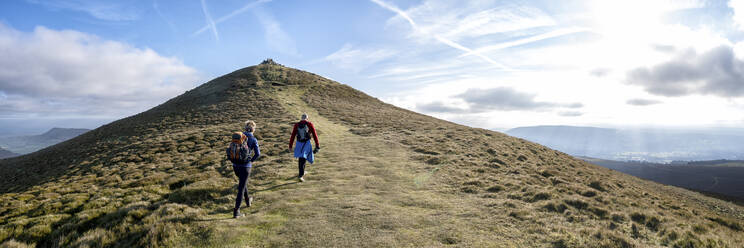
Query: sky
[489, 64]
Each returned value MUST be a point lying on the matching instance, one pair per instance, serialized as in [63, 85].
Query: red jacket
[312, 131]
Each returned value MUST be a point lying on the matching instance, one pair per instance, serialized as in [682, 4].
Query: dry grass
[384, 177]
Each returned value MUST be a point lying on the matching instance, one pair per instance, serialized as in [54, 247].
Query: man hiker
[239, 152]
[303, 130]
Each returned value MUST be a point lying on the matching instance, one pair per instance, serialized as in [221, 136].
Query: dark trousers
[301, 166]
[243, 173]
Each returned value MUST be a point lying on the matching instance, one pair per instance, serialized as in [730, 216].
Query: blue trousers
[243, 173]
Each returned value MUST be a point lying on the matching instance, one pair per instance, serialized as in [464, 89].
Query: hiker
[239, 152]
[303, 149]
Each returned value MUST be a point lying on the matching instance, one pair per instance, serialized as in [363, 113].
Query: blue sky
[490, 64]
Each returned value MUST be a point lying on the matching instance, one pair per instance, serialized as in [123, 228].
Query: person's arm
[291, 138]
[315, 136]
[257, 151]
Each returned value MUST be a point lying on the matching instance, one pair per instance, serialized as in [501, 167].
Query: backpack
[238, 151]
[303, 132]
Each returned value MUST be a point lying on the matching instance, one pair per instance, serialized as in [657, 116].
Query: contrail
[157, 10]
[231, 15]
[396, 10]
[437, 37]
[210, 21]
[468, 50]
[535, 38]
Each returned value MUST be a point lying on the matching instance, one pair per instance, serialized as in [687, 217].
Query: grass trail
[361, 191]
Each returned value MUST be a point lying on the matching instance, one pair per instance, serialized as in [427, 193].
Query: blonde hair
[250, 126]
[304, 116]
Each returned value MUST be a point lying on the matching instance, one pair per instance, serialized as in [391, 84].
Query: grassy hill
[385, 176]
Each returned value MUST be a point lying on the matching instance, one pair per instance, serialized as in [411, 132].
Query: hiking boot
[249, 201]
[301, 179]
[236, 213]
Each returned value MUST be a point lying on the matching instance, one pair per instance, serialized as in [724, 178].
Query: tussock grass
[385, 177]
[733, 225]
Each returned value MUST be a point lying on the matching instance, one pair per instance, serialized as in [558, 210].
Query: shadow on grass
[259, 165]
[199, 196]
[291, 178]
[275, 186]
[213, 219]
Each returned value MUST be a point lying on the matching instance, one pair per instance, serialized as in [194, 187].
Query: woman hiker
[303, 130]
[239, 152]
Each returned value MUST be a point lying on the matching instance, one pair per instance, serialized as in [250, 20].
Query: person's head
[303, 117]
[250, 126]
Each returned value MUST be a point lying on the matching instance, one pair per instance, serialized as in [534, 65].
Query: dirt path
[361, 192]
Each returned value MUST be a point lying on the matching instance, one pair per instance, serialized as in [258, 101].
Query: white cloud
[539, 37]
[581, 53]
[642, 102]
[621, 17]
[738, 7]
[570, 113]
[715, 72]
[357, 59]
[507, 99]
[103, 10]
[460, 21]
[441, 107]
[70, 72]
[429, 34]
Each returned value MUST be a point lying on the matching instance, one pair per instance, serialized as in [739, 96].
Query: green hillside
[385, 177]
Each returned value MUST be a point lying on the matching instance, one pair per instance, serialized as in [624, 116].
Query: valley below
[721, 178]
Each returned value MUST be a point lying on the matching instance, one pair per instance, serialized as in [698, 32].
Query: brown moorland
[385, 176]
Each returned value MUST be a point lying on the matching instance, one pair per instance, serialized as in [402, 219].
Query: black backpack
[303, 132]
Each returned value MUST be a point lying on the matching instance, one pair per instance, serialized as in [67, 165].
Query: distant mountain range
[653, 145]
[7, 154]
[19, 145]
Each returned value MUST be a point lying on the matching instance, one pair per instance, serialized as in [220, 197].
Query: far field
[724, 179]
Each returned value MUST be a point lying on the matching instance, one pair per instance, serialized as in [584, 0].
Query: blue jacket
[253, 145]
[304, 150]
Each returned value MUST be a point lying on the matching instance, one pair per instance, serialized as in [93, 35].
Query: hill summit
[385, 176]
